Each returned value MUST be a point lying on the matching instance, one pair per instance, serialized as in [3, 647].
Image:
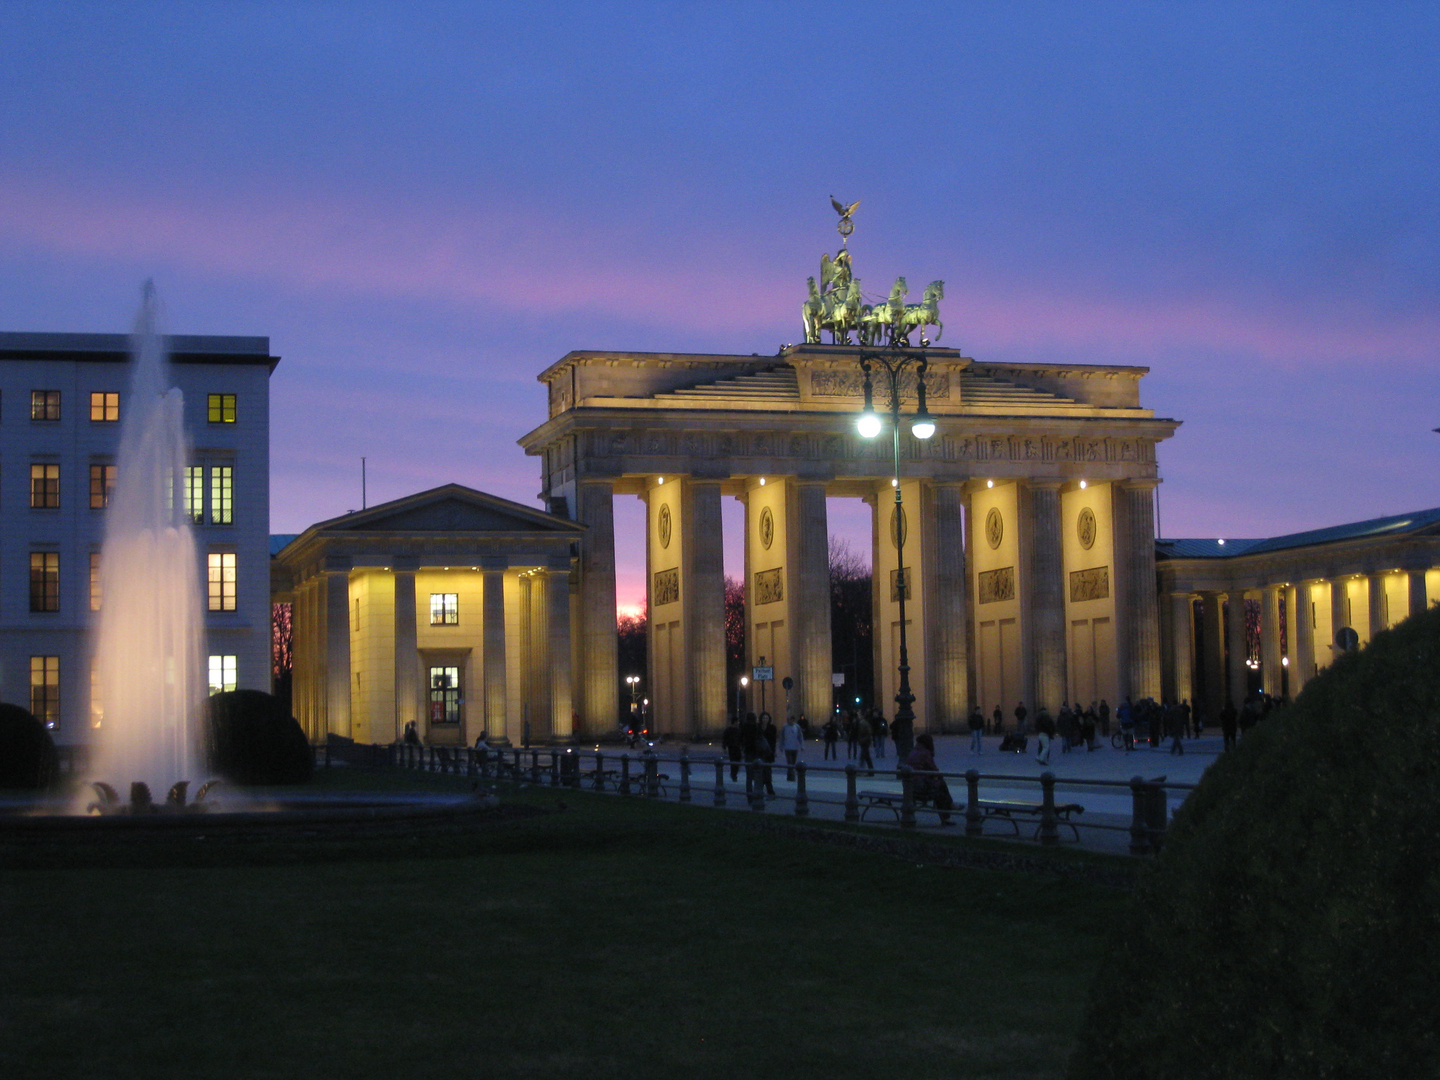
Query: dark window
[44, 487]
[102, 486]
[44, 581]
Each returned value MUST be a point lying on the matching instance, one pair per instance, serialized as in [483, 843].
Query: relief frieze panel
[666, 589]
[769, 586]
[1091, 584]
[996, 585]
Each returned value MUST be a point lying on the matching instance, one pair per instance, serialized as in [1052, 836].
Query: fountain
[147, 652]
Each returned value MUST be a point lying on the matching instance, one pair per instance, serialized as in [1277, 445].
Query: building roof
[1394, 525]
[115, 348]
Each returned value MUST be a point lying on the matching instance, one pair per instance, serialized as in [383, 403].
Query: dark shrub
[27, 753]
[253, 739]
[1291, 926]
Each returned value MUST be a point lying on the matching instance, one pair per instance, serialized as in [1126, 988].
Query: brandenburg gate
[1027, 523]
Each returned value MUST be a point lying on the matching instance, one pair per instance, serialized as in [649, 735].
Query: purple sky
[425, 205]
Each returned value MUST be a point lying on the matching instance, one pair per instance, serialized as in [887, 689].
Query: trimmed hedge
[254, 740]
[1291, 925]
[27, 752]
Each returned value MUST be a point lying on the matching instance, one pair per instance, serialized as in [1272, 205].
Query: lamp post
[634, 681]
[891, 363]
[739, 691]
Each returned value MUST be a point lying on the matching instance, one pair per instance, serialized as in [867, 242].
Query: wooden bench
[1010, 809]
[891, 800]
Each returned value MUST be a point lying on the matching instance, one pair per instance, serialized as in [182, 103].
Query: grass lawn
[615, 938]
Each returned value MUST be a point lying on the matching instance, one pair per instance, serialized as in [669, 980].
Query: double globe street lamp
[869, 424]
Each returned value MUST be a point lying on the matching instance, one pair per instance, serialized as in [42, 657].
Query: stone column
[336, 584]
[811, 643]
[951, 619]
[1212, 652]
[1339, 613]
[1138, 609]
[1378, 606]
[1182, 647]
[1419, 601]
[492, 649]
[1270, 650]
[703, 578]
[1045, 586]
[598, 641]
[406, 659]
[1302, 660]
[557, 646]
[1236, 674]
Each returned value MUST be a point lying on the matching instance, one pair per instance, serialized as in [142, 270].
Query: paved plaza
[1103, 826]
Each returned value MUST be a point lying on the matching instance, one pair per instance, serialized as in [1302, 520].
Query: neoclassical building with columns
[449, 609]
[1028, 526]
[1366, 576]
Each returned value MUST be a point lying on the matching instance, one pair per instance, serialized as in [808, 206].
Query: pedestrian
[730, 743]
[1066, 726]
[902, 733]
[852, 733]
[1088, 723]
[751, 739]
[1045, 731]
[1020, 714]
[977, 730]
[926, 783]
[792, 739]
[1126, 715]
[862, 740]
[1103, 712]
[830, 733]
[998, 721]
[878, 729]
[1228, 724]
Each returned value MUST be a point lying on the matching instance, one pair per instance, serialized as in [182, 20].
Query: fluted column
[812, 614]
[704, 578]
[1135, 556]
[1270, 640]
[1237, 681]
[337, 652]
[406, 653]
[598, 640]
[1339, 613]
[1182, 647]
[1303, 659]
[1379, 609]
[557, 647]
[1418, 598]
[493, 650]
[1046, 595]
[951, 663]
[1212, 652]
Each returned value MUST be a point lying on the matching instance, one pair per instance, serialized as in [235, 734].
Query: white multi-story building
[61, 400]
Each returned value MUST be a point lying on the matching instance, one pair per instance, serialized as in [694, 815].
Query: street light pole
[892, 363]
[740, 689]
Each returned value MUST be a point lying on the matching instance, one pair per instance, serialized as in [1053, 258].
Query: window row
[220, 585]
[45, 687]
[105, 407]
[208, 491]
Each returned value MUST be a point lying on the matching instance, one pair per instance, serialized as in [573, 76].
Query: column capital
[1139, 483]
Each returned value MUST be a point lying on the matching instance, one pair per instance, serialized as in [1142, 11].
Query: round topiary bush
[253, 739]
[27, 753]
[1291, 926]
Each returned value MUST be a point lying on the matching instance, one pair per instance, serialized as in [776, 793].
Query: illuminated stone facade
[1028, 525]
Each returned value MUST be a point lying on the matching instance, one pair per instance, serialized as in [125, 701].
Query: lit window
[45, 689]
[44, 581]
[97, 704]
[222, 494]
[195, 493]
[222, 408]
[221, 581]
[222, 674]
[44, 487]
[444, 695]
[102, 486]
[95, 581]
[104, 406]
[444, 609]
[44, 404]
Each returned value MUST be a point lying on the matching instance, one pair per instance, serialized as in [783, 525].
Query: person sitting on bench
[926, 783]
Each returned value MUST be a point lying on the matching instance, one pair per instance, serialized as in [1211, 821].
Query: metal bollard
[1157, 813]
[974, 819]
[802, 800]
[1049, 834]
[907, 796]
[1139, 835]
[535, 767]
[554, 768]
[684, 774]
[719, 781]
[754, 789]
[852, 800]
[652, 778]
[624, 774]
[599, 771]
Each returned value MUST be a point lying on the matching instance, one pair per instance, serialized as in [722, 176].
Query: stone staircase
[777, 383]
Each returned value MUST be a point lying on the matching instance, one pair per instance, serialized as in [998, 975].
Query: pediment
[452, 509]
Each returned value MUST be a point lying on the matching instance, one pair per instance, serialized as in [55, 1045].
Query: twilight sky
[424, 205]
